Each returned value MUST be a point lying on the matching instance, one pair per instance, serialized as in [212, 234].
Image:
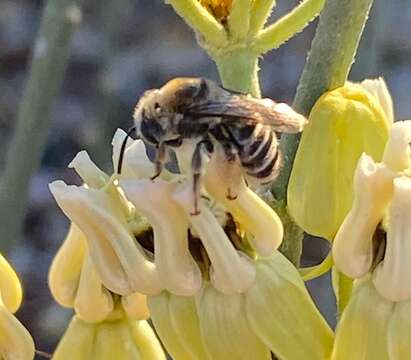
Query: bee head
[159, 110]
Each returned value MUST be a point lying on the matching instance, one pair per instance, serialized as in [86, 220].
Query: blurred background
[122, 48]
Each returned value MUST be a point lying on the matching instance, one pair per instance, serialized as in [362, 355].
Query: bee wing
[280, 116]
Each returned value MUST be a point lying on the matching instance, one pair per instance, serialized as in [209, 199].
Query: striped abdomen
[258, 151]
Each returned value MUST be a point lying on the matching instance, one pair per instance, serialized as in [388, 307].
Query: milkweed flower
[15, 340]
[206, 272]
[343, 124]
[117, 337]
[374, 245]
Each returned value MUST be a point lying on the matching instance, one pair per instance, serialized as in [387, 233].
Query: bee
[211, 116]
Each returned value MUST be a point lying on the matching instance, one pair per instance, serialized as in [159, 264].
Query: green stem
[327, 67]
[238, 71]
[286, 27]
[49, 59]
[199, 19]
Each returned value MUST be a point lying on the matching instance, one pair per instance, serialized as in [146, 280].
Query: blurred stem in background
[328, 64]
[107, 97]
[49, 59]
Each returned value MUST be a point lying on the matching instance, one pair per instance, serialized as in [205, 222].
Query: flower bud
[343, 124]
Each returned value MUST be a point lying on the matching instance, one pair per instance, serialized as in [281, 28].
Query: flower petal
[176, 268]
[184, 318]
[224, 327]
[392, 277]
[397, 154]
[10, 287]
[93, 301]
[136, 164]
[255, 216]
[399, 331]
[77, 342]
[15, 340]
[160, 315]
[88, 171]
[146, 341]
[119, 260]
[135, 306]
[378, 88]
[352, 248]
[282, 314]
[231, 271]
[65, 270]
[362, 331]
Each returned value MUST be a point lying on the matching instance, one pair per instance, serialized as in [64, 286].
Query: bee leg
[159, 160]
[197, 167]
[231, 153]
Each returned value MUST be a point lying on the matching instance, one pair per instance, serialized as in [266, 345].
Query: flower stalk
[49, 59]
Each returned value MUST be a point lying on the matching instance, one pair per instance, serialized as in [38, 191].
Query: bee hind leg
[231, 157]
[197, 167]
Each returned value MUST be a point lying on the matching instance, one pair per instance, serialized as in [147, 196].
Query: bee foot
[196, 212]
[230, 196]
[155, 176]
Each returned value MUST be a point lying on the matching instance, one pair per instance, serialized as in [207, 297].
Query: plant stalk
[328, 65]
[49, 59]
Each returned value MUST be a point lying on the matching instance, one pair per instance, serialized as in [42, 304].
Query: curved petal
[65, 270]
[352, 247]
[257, 217]
[225, 329]
[176, 268]
[231, 271]
[282, 314]
[88, 171]
[119, 260]
[10, 286]
[392, 277]
[397, 154]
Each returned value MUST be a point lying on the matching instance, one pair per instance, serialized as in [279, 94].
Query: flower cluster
[217, 273]
[373, 245]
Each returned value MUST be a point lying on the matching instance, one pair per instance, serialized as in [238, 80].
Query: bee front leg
[159, 160]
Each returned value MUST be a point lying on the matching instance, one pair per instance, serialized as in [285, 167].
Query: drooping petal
[135, 306]
[119, 260]
[254, 215]
[399, 331]
[77, 341]
[283, 315]
[93, 301]
[146, 341]
[231, 271]
[184, 318]
[15, 340]
[352, 248]
[225, 329]
[65, 270]
[10, 287]
[397, 154]
[114, 340]
[88, 171]
[362, 331]
[160, 315]
[392, 277]
[176, 268]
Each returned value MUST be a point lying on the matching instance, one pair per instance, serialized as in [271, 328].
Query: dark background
[122, 48]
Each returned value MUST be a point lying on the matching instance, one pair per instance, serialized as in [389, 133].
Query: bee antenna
[123, 148]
